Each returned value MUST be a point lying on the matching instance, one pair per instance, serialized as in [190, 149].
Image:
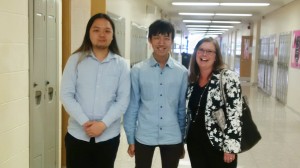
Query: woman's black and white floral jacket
[230, 140]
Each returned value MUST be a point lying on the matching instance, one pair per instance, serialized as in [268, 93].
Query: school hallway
[278, 125]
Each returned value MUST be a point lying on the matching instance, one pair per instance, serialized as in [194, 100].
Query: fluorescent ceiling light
[244, 4]
[233, 22]
[200, 31]
[217, 4]
[207, 30]
[197, 14]
[221, 26]
[196, 28]
[205, 33]
[208, 21]
[214, 26]
[197, 21]
[219, 29]
[233, 14]
[213, 33]
[197, 25]
[218, 14]
[195, 4]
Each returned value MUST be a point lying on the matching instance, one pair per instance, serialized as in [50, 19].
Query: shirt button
[160, 83]
[160, 94]
[160, 106]
[161, 73]
[160, 128]
[161, 118]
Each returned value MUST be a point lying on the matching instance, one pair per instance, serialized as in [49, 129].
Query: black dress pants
[170, 155]
[82, 154]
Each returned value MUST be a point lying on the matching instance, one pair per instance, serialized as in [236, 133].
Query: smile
[203, 59]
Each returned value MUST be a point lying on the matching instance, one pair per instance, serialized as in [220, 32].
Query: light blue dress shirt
[156, 112]
[95, 91]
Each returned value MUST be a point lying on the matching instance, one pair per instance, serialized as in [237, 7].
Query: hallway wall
[14, 89]
[80, 15]
[285, 20]
[133, 11]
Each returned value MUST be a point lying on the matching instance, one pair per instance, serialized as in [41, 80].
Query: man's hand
[131, 150]
[94, 128]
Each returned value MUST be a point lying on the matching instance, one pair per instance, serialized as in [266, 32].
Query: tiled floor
[279, 147]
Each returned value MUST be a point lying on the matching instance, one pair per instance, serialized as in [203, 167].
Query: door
[246, 57]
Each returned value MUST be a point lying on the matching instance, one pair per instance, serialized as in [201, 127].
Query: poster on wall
[295, 50]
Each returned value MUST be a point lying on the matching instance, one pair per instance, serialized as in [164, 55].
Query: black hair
[161, 27]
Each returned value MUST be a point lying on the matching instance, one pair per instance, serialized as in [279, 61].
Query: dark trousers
[206, 156]
[82, 154]
[170, 155]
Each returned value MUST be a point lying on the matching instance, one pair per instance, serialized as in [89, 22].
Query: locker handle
[38, 97]
[50, 93]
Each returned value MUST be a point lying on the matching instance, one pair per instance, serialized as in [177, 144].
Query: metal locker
[43, 84]
[119, 23]
[37, 70]
[282, 66]
[50, 124]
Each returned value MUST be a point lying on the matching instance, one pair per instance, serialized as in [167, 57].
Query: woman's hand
[229, 157]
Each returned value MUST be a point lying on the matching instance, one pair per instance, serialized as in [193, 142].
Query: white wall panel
[12, 114]
[13, 86]
[17, 29]
[13, 142]
[14, 57]
[14, 6]
[18, 160]
[80, 15]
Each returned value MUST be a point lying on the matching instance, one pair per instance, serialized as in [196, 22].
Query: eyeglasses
[207, 52]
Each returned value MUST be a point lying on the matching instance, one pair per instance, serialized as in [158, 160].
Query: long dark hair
[86, 45]
[194, 69]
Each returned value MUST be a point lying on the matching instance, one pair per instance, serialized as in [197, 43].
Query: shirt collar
[109, 57]
[154, 63]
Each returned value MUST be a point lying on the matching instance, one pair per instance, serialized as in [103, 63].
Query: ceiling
[257, 12]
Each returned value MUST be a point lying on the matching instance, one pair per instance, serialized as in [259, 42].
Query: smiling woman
[220, 148]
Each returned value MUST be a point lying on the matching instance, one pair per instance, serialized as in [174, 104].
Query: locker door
[37, 72]
[50, 124]
[43, 84]
[282, 66]
[119, 23]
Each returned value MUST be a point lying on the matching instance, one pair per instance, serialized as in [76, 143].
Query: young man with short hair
[156, 113]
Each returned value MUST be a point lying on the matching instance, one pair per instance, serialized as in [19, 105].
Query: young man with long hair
[95, 92]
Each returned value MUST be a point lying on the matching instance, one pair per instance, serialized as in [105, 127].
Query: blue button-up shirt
[95, 91]
[156, 112]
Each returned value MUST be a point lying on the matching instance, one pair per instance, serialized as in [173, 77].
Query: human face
[101, 34]
[206, 55]
[161, 44]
